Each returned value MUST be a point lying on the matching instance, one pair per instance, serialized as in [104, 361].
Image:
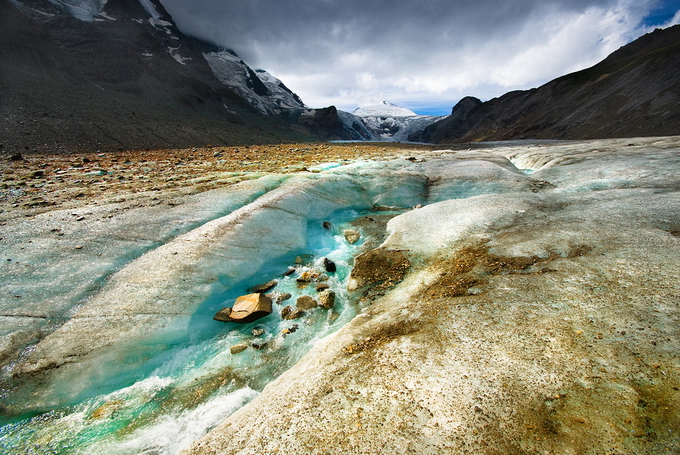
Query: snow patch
[174, 51]
[151, 9]
[85, 10]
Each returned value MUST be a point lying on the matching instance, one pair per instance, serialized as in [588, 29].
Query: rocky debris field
[35, 183]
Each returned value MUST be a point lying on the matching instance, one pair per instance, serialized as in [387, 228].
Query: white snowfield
[540, 312]
[384, 109]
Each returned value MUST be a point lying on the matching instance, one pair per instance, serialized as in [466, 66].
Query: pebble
[238, 348]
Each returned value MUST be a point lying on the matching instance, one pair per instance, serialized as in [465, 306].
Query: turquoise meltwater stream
[194, 382]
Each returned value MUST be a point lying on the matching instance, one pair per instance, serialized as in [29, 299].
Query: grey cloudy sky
[420, 54]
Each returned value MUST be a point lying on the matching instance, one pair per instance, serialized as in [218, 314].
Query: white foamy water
[172, 433]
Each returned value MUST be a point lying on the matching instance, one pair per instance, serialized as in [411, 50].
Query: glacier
[389, 122]
[531, 303]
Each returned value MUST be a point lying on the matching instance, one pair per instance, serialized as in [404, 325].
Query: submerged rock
[322, 287]
[238, 348]
[308, 277]
[351, 235]
[288, 313]
[290, 330]
[265, 287]
[306, 302]
[282, 297]
[248, 308]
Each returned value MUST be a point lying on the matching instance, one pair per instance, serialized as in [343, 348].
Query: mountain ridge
[635, 91]
[119, 74]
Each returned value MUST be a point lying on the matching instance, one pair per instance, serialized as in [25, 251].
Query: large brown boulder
[248, 308]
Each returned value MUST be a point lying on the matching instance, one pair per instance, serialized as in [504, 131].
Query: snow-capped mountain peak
[389, 122]
[384, 109]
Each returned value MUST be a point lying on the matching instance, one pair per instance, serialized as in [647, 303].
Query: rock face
[122, 92]
[453, 122]
[248, 308]
[633, 92]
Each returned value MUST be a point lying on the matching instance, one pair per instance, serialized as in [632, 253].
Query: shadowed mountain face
[87, 76]
[633, 92]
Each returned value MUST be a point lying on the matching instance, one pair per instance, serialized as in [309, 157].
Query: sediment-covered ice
[531, 305]
[535, 321]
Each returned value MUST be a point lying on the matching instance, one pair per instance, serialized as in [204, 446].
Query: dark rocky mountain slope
[633, 92]
[89, 74]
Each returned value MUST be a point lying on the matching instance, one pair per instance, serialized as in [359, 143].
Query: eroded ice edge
[139, 366]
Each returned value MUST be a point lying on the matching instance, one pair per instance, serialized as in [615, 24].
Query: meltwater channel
[196, 382]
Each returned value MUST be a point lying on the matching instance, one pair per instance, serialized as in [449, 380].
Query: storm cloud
[424, 55]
